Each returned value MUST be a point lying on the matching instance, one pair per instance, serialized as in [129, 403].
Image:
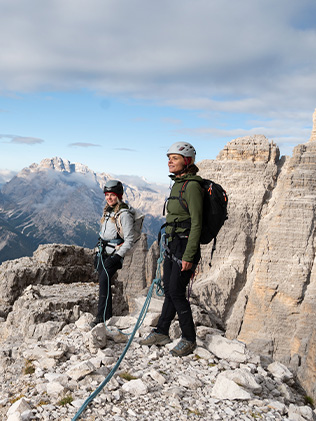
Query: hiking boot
[183, 348]
[155, 338]
[96, 322]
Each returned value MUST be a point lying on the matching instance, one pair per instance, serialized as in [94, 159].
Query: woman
[116, 238]
[183, 231]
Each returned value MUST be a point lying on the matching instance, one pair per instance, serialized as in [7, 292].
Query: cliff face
[262, 283]
[279, 296]
[248, 169]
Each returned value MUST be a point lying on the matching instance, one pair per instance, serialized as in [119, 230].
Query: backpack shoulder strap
[118, 223]
[181, 199]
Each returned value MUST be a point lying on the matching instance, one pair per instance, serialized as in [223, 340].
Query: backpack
[214, 209]
[138, 222]
[215, 203]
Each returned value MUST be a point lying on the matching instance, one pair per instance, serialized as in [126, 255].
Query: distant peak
[250, 148]
[62, 165]
[56, 163]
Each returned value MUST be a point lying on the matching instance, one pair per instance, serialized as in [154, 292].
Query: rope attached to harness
[159, 291]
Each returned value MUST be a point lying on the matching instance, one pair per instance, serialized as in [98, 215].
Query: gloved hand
[114, 260]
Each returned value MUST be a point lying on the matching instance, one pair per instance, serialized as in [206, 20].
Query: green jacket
[193, 197]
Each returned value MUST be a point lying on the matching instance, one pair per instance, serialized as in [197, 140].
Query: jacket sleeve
[194, 199]
[127, 222]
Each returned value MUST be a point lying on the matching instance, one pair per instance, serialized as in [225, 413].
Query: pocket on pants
[96, 260]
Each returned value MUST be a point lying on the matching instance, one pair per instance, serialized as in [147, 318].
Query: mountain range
[57, 201]
[261, 284]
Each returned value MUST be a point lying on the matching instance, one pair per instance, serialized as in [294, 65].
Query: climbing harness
[162, 240]
[102, 244]
[172, 256]
[159, 291]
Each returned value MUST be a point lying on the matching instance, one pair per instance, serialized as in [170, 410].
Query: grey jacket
[108, 231]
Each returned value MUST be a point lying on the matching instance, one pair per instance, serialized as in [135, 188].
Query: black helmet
[113, 186]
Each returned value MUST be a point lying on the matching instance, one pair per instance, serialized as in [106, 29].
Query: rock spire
[313, 135]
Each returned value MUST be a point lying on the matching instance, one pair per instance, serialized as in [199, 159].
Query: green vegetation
[194, 412]
[29, 367]
[127, 376]
[65, 400]
[309, 401]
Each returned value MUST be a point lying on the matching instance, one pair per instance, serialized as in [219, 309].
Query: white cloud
[6, 175]
[251, 57]
[83, 145]
[162, 49]
[21, 139]
[124, 149]
[286, 130]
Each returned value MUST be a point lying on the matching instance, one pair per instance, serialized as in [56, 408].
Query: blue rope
[159, 291]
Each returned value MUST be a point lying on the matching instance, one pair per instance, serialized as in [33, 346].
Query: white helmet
[182, 148]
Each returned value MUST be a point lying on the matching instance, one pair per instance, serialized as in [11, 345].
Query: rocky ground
[51, 379]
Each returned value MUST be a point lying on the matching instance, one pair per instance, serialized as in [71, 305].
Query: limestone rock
[136, 387]
[225, 388]
[243, 378]
[83, 323]
[55, 388]
[19, 407]
[250, 148]
[161, 386]
[50, 264]
[97, 338]
[133, 274]
[56, 264]
[313, 134]
[280, 372]
[225, 348]
[159, 378]
[278, 300]
[262, 283]
[248, 183]
[80, 370]
[300, 413]
[55, 304]
[190, 382]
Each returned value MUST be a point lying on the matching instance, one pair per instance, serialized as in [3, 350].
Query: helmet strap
[187, 161]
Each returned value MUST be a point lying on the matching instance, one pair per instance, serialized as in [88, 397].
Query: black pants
[175, 283]
[106, 272]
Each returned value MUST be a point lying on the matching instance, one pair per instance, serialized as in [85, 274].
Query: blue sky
[112, 83]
